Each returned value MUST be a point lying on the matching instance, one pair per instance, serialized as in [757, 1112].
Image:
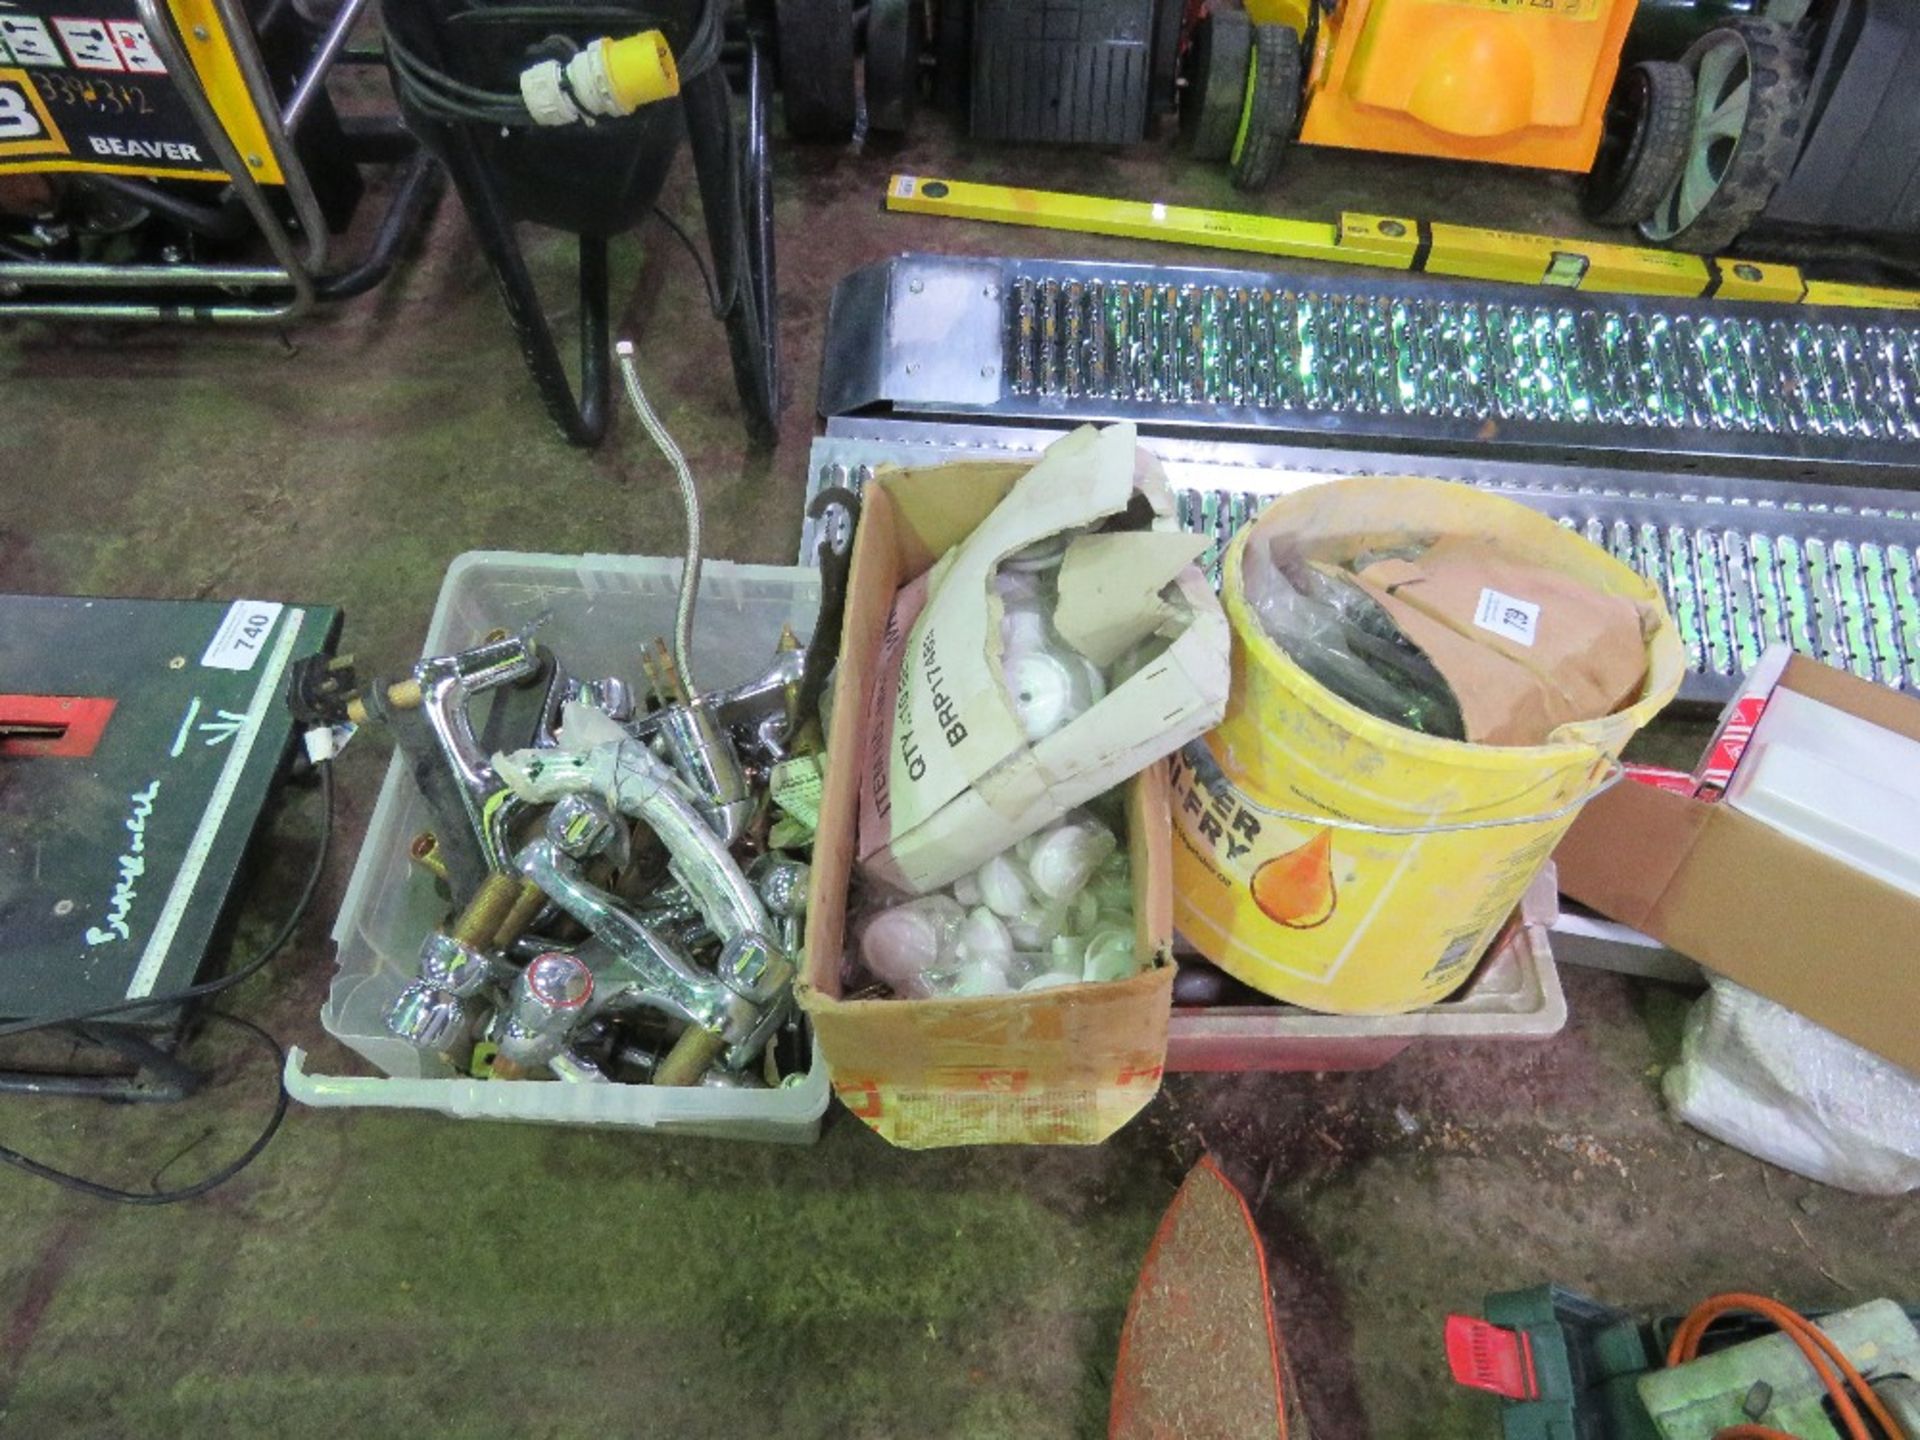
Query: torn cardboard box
[1754, 903]
[1067, 1065]
[1059, 1066]
[952, 777]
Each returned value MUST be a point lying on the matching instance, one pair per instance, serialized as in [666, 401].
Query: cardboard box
[1062, 1066]
[951, 777]
[1753, 903]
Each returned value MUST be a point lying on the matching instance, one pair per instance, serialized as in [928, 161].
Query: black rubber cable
[246, 1157]
[447, 99]
[721, 307]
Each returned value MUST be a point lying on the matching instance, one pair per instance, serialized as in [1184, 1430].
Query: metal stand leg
[582, 420]
[758, 202]
[414, 197]
[736, 203]
[159, 1078]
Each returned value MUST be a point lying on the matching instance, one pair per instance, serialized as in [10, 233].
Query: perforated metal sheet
[1833, 571]
[1461, 367]
[1251, 341]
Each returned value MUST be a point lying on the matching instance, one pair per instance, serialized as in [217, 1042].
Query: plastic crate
[1516, 995]
[596, 612]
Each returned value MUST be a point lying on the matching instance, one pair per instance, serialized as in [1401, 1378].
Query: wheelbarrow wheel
[893, 64]
[1749, 103]
[1644, 146]
[816, 68]
[1271, 108]
[1163, 86]
[952, 53]
[1217, 87]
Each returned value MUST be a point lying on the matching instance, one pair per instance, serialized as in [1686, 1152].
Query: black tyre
[953, 53]
[816, 68]
[1217, 81]
[1271, 108]
[1163, 93]
[893, 64]
[1644, 148]
[1749, 103]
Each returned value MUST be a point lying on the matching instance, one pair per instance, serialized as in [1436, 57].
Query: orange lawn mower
[1803, 118]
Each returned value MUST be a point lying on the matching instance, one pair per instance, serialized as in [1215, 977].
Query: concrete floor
[380, 1274]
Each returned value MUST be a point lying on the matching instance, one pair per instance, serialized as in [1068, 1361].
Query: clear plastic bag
[1775, 1084]
[1057, 909]
[1050, 683]
[1335, 631]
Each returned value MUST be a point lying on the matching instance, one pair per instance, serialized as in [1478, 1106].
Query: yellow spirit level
[1393, 243]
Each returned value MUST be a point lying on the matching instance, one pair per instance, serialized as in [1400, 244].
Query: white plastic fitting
[1018, 588]
[1034, 933]
[1050, 683]
[1069, 952]
[1067, 857]
[983, 940]
[1109, 956]
[1041, 555]
[1023, 627]
[1050, 980]
[902, 944]
[978, 980]
[1045, 695]
[1003, 887]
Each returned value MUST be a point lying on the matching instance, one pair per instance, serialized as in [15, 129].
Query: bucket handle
[1206, 769]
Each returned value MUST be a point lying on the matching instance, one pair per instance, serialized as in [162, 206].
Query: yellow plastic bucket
[1394, 856]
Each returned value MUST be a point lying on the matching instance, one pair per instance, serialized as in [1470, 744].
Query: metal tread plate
[1458, 365]
[1833, 571]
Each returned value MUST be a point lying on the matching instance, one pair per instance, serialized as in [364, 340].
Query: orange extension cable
[1814, 1343]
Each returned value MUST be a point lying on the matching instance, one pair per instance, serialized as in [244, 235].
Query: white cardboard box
[1836, 782]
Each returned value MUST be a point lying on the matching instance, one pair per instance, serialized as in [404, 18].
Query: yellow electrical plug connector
[639, 70]
[608, 79]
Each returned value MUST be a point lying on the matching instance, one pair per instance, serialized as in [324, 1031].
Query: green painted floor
[381, 1274]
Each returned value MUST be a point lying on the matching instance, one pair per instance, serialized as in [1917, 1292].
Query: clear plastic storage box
[596, 612]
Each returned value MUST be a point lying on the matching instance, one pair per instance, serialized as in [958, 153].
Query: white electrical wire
[690, 500]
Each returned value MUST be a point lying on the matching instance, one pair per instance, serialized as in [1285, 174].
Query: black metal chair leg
[582, 420]
[717, 167]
